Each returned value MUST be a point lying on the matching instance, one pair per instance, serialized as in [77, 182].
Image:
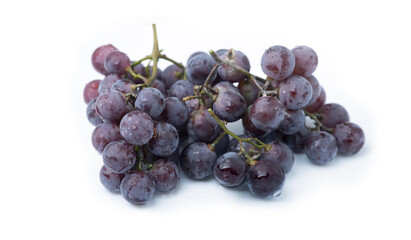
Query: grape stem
[216, 141]
[318, 123]
[259, 143]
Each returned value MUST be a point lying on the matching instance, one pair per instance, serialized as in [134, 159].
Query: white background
[49, 169]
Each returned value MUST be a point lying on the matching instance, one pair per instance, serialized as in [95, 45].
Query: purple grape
[138, 69]
[230, 170]
[165, 174]
[150, 100]
[266, 113]
[149, 71]
[350, 138]
[171, 74]
[202, 126]
[91, 91]
[316, 88]
[119, 156]
[117, 62]
[107, 82]
[199, 67]
[234, 145]
[137, 128]
[293, 121]
[225, 86]
[123, 86]
[249, 127]
[271, 136]
[295, 92]
[158, 84]
[175, 112]
[229, 106]
[110, 180]
[221, 147]
[278, 62]
[195, 54]
[249, 91]
[279, 153]
[165, 141]
[104, 134]
[228, 73]
[265, 179]
[99, 57]
[197, 160]
[181, 89]
[321, 147]
[92, 115]
[306, 61]
[111, 106]
[297, 141]
[318, 103]
[137, 187]
[332, 114]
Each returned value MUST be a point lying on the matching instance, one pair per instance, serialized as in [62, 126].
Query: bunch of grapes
[145, 116]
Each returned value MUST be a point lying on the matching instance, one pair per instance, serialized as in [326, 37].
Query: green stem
[135, 75]
[141, 60]
[154, 56]
[180, 65]
[216, 141]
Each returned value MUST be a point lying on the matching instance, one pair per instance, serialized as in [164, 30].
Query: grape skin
[228, 73]
[278, 62]
[202, 126]
[293, 121]
[107, 82]
[318, 103]
[279, 153]
[199, 67]
[111, 106]
[165, 141]
[171, 74]
[158, 84]
[331, 114]
[104, 134]
[316, 88]
[225, 86]
[117, 62]
[99, 57]
[165, 174]
[229, 106]
[249, 127]
[150, 100]
[92, 115]
[137, 187]
[181, 89]
[197, 160]
[350, 138]
[123, 86]
[221, 147]
[306, 60]
[265, 179]
[249, 91]
[230, 169]
[91, 91]
[175, 112]
[321, 147]
[110, 180]
[119, 156]
[266, 113]
[137, 128]
[297, 141]
[295, 92]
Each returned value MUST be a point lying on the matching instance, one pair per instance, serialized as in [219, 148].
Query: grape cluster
[143, 114]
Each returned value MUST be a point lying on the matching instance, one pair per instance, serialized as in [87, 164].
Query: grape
[111, 106]
[150, 71]
[202, 126]
[234, 145]
[194, 104]
[138, 69]
[350, 138]
[107, 82]
[119, 156]
[220, 52]
[171, 74]
[165, 141]
[181, 89]
[175, 112]
[158, 84]
[316, 88]
[221, 147]
[266, 113]
[318, 103]
[265, 179]
[295, 92]
[199, 67]
[137, 128]
[331, 114]
[165, 175]
[225, 86]
[229, 106]
[279, 153]
[117, 62]
[123, 86]
[278, 62]
[249, 127]
[228, 73]
[92, 115]
[297, 141]
[249, 91]
[110, 180]
[271, 136]
[99, 57]
[293, 121]
[104, 134]
[195, 54]
[197, 160]
[137, 187]
[321, 147]
[90, 91]
[230, 170]
[306, 60]
[150, 100]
